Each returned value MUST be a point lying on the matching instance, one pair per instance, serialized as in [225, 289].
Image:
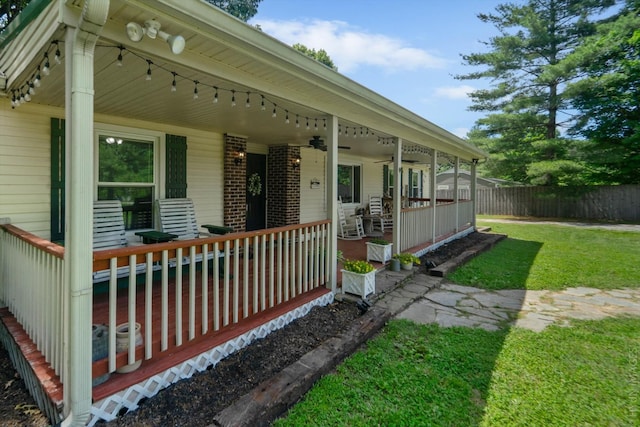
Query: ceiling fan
[319, 144]
[403, 161]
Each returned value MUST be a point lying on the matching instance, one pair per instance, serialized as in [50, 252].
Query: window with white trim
[127, 170]
[349, 183]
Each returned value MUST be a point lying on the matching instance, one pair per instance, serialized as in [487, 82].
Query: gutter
[24, 18]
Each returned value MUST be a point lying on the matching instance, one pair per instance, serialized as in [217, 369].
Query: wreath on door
[255, 185]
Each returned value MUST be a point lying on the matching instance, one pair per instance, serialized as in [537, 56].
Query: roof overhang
[224, 52]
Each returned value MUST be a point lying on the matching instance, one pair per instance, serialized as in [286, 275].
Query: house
[446, 182]
[141, 100]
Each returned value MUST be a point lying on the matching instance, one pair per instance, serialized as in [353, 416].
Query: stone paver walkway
[426, 299]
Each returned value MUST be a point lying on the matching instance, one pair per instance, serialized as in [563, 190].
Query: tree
[526, 97]
[607, 97]
[241, 9]
[9, 10]
[321, 55]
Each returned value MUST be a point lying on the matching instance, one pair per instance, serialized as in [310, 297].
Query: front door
[256, 191]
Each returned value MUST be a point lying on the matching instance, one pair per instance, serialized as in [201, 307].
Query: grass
[424, 375]
[541, 256]
[587, 374]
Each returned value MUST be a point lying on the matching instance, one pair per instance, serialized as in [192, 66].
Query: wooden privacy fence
[610, 203]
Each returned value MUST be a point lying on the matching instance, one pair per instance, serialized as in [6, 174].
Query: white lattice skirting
[107, 409]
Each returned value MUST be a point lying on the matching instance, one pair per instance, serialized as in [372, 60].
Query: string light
[149, 69]
[56, 58]
[47, 65]
[119, 63]
[25, 92]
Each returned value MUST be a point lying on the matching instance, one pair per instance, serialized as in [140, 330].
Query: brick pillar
[283, 187]
[235, 183]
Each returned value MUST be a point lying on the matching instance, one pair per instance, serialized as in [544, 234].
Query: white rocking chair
[349, 230]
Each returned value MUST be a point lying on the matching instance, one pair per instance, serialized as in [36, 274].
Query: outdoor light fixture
[239, 157]
[151, 28]
[295, 163]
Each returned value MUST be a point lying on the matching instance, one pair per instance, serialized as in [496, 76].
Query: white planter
[358, 284]
[122, 344]
[407, 266]
[380, 253]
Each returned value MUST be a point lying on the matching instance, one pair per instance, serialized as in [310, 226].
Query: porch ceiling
[220, 52]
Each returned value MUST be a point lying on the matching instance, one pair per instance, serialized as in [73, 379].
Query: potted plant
[358, 277]
[379, 250]
[407, 260]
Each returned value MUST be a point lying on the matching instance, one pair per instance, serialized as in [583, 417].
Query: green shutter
[385, 180]
[57, 179]
[421, 184]
[176, 167]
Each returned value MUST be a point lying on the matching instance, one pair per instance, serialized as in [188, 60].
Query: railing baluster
[225, 284]
[256, 276]
[245, 279]
[132, 309]
[236, 280]
[113, 299]
[205, 288]
[178, 303]
[216, 287]
[148, 306]
[285, 266]
[192, 293]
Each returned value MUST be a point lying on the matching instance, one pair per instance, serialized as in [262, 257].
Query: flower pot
[395, 264]
[358, 284]
[122, 344]
[380, 253]
[99, 349]
[407, 265]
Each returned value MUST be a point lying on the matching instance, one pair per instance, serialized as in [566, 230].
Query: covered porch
[257, 134]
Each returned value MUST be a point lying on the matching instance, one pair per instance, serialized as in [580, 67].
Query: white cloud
[461, 132]
[350, 47]
[454, 92]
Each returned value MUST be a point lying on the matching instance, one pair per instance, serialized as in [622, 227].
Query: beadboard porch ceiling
[221, 52]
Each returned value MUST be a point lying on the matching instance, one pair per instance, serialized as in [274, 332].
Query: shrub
[358, 266]
[407, 258]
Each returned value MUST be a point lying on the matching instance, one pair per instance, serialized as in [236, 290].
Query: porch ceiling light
[151, 28]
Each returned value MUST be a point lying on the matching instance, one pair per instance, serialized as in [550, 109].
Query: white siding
[312, 200]
[25, 135]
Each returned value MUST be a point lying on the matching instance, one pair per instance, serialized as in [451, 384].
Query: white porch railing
[465, 214]
[31, 286]
[416, 226]
[246, 273]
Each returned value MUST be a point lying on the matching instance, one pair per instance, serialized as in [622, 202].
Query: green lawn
[540, 256]
[417, 375]
[587, 374]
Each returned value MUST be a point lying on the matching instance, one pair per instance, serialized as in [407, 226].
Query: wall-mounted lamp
[295, 163]
[239, 157]
[151, 28]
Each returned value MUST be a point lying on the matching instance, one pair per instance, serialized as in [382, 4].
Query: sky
[406, 50]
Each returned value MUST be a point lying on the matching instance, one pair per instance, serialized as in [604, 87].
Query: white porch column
[473, 195]
[432, 192]
[397, 196]
[332, 198]
[79, 201]
[456, 198]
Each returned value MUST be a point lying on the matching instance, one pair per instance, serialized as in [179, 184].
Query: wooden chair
[377, 215]
[108, 233]
[349, 230]
[178, 216]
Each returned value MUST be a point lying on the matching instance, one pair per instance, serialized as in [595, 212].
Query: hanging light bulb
[173, 83]
[315, 127]
[262, 106]
[274, 114]
[120, 56]
[286, 117]
[27, 97]
[339, 129]
[22, 100]
[215, 95]
[354, 132]
[233, 98]
[14, 101]
[195, 89]
[324, 124]
[307, 123]
[56, 58]
[31, 90]
[45, 68]
[248, 101]
[297, 122]
[149, 69]
[36, 81]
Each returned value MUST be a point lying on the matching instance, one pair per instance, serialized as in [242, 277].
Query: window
[127, 171]
[349, 177]
[416, 184]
